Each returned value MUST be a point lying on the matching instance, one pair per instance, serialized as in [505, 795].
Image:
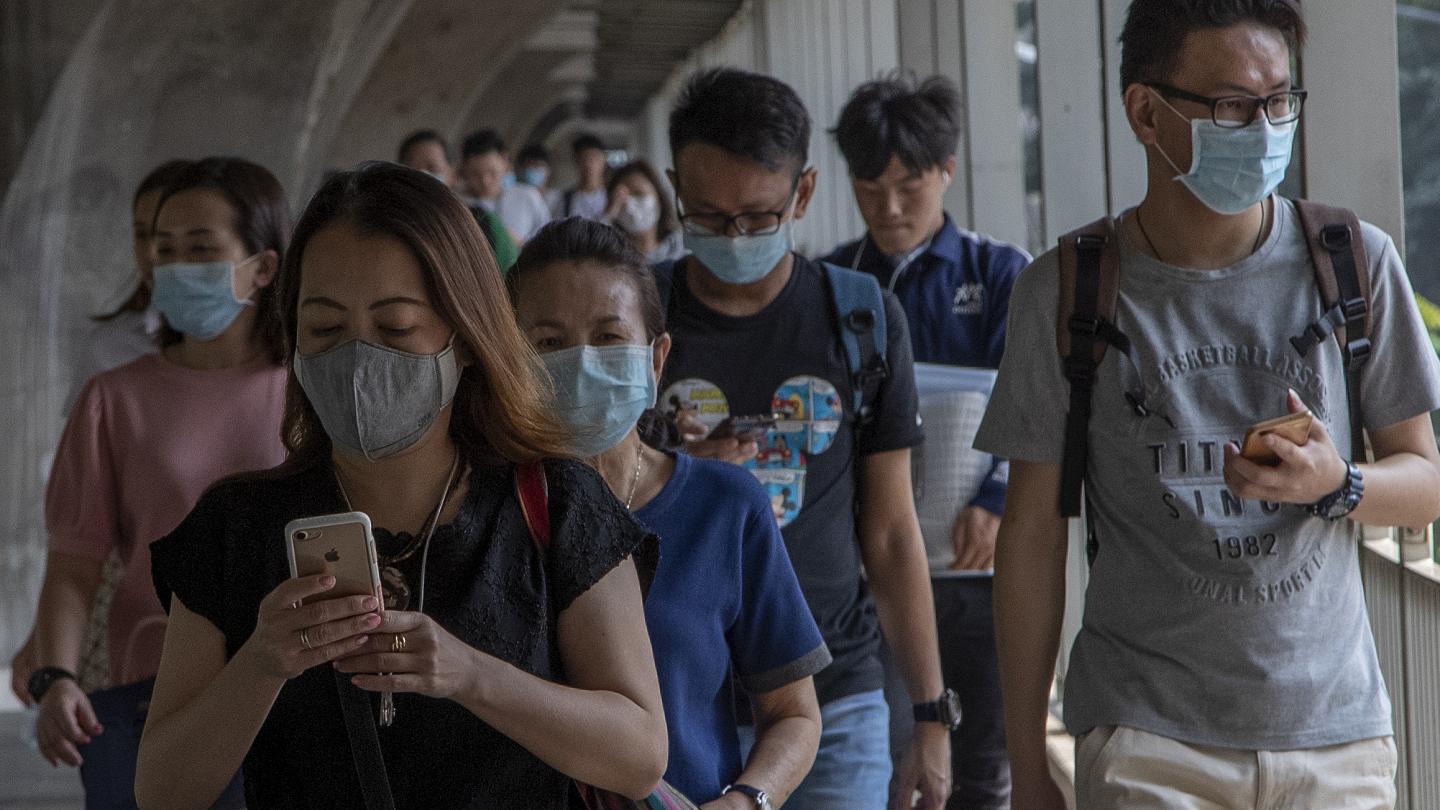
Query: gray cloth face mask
[375, 401]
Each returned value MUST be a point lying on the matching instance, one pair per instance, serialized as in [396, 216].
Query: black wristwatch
[1342, 501]
[945, 711]
[760, 797]
[45, 677]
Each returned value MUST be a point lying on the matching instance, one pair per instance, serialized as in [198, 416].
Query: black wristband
[45, 677]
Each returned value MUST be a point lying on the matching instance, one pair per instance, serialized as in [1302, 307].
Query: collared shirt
[955, 291]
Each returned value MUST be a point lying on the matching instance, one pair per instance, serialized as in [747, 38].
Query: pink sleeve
[81, 509]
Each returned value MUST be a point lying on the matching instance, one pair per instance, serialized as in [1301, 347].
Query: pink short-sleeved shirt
[143, 442]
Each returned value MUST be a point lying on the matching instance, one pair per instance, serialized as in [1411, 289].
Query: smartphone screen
[339, 545]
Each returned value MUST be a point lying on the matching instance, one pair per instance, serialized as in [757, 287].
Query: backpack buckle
[1354, 308]
[1357, 350]
[1335, 238]
[1090, 241]
[1080, 325]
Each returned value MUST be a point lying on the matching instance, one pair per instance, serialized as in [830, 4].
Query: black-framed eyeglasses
[1237, 111]
[748, 223]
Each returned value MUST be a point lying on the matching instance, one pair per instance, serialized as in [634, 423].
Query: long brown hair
[262, 221]
[501, 407]
[157, 180]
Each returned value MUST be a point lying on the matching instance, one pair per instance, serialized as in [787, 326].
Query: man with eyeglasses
[1225, 658]
[755, 335]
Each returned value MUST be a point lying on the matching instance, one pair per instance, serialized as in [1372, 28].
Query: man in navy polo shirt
[898, 136]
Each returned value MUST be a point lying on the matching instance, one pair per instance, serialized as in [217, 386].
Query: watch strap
[760, 797]
[43, 678]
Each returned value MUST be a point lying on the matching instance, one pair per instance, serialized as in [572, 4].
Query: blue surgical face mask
[534, 176]
[1233, 169]
[508, 181]
[601, 391]
[198, 298]
[740, 259]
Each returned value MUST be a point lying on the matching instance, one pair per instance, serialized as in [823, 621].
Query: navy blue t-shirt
[788, 359]
[725, 595]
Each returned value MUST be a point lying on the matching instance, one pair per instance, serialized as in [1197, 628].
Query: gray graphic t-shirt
[1211, 619]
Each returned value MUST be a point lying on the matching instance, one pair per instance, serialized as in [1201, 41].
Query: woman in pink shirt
[145, 440]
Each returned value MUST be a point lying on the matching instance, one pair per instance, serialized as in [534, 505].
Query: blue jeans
[852, 768]
[108, 772]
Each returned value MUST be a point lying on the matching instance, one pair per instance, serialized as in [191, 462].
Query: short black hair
[417, 138]
[585, 141]
[533, 152]
[1155, 31]
[482, 143]
[747, 114]
[899, 116]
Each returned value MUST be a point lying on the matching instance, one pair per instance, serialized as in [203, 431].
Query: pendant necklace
[394, 587]
[635, 483]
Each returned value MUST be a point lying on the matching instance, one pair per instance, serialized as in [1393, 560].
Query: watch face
[950, 709]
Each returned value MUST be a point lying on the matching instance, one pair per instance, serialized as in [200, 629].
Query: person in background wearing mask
[516, 663]
[534, 164]
[487, 182]
[1225, 651]
[588, 198]
[426, 151]
[643, 212]
[587, 301]
[145, 440]
[113, 339]
[751, 339]
[898, 136]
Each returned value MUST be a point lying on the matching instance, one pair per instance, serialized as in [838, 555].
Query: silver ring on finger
[305, 639]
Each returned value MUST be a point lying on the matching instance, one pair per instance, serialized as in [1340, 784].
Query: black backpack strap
[860, 309]
[1089, 283]
[1342, 272]
[364, 744]
[568, 206]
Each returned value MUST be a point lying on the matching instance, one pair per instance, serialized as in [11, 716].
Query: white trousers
[1125, 768]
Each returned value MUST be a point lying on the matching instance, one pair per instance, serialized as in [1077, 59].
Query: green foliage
[1419, 42]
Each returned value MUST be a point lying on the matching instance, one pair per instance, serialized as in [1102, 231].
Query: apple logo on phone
[332, 556]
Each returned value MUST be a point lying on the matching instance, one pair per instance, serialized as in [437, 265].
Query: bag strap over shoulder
[1342, 272]
[860, 309]
[364, 744]
[1084, 328]
[533, 491]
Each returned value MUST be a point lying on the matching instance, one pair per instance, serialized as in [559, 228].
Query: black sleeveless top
[487, 583]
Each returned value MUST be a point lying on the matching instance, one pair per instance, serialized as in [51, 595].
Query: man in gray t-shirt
[1224, 617]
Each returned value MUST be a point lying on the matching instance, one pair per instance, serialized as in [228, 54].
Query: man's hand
[1039, 792]
[732, 449]
[926, 769]
[973, 537]
[1306, 473]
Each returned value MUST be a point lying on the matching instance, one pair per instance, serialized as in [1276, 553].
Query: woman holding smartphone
[415, 399]
[144, 441]
[725, 596]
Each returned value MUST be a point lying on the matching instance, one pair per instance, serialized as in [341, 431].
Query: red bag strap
[533, 491]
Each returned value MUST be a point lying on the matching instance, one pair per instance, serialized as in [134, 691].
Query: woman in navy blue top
[725, 595]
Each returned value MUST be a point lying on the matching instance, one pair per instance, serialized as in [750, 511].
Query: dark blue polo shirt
[956, 295]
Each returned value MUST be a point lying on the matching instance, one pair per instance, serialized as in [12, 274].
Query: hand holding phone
[1294, 427]
[744, 428]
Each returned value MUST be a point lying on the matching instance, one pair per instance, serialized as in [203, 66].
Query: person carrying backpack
[1225, 658]
[802, 372]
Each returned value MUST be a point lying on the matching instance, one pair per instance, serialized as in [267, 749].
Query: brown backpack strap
[1089, 284]
[1342, 272]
